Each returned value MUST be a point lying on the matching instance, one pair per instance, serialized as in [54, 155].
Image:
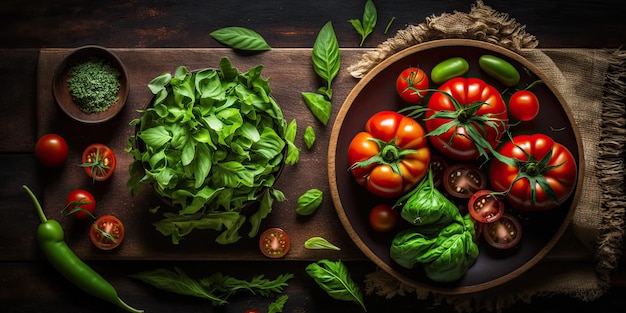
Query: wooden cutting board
[290, 72]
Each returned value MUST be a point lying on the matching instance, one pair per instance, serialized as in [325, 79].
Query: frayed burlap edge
[481, 23]
[610, 168]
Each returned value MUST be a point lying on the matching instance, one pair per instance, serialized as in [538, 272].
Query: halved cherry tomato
[504, 233]
[99, 161]
[478, 230]
[274, 243]
[391, 156]
[107, 232]
[51, 150]
[80, 204]
[462, 180]
[411, 85]
[383, 218]
[524, 105]
[485, 207]
[438, 166]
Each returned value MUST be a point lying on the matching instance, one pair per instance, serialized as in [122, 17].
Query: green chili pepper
[447, 69]
[50, 237]
[499, 69]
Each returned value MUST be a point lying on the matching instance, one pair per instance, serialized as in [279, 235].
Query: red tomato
[98, 161]
[461, 180]
[107, 232]
[391, 156]
[485, 207]
[468, 117]
[541, 173]
[274, 243]
[411, 85]
[505, 233]
[383, 218]
[51, 150]
[80, 204]
[524, 105]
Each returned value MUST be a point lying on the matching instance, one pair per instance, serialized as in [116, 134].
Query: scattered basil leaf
[370, 17]
[278, 305]
[293, 153]
[393, 18]
[319, 243]
[333, 277]
[326, 55]
[241, 38]
[319, 106]
[309, 202]
[309, 137]
[217, 288]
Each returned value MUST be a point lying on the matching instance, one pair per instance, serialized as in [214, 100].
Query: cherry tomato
[485, 207]
[391, 156]
[98, 161]
[409, 84]
[51, 150]
[383, 218]
[524, 105]
[80, 204]
[462, 180]
[504, 233]
[107, 232]
[478, 230]
[438, 166]
[469, 116]
[274, 243]
[252, 311]
[543, 175]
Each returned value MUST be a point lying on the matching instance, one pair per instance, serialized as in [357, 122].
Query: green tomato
[499, 69]
[447, 69]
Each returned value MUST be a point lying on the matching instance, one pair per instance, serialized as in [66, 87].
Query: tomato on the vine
[412, 84]
[485, 207]
[524, 105]
[391, 156]
[505, 233]
[51, 150]
[461, 180]
[466, 118]
[99, 161]
[383, 218]
[107, 232]
[80, 204]
[539, 173]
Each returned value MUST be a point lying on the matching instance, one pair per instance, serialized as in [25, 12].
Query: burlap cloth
[593, 82]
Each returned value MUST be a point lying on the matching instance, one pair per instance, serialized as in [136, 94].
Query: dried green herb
[370, 17]
[93, 85]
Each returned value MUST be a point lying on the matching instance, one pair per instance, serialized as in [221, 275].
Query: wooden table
[161, 36]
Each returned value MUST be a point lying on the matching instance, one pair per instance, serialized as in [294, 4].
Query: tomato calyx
[390, 154]
[98, 165]
[104, 233]
[533, 170]
[74, 207]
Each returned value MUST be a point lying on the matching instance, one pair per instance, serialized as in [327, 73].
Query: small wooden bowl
[62, 94]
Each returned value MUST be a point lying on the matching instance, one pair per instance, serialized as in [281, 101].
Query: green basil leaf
[319, 106]
[333, 277]
[370, 17]
[319, 243]
[293, 153]
[326, 56]
[309, 136]
[155, 137]
[309, 202]
[241, 38]
[158, 83]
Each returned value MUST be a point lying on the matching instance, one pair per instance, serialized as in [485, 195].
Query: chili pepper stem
[42, 215]
[127, 307]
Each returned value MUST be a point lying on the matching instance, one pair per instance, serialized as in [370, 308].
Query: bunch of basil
[441, 239]
[211, 142]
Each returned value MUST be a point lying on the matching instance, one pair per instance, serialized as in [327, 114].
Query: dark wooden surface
[29, 284]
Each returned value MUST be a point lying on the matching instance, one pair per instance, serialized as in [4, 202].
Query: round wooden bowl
[62, 94]
[376, 92]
